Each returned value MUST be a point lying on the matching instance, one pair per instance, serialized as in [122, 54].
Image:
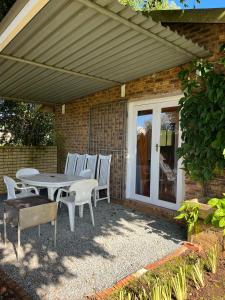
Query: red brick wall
[73, 127]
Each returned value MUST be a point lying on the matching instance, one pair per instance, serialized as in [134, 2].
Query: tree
[148, 5]
[23, 124]
[5, 6]
[202, 119]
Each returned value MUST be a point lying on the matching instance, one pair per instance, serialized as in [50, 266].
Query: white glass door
[154, 173]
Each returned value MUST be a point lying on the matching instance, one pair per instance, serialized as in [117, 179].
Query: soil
[214, 285]
[214, 288]
[10, 290]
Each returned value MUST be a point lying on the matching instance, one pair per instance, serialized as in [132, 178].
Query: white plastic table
[51, 181]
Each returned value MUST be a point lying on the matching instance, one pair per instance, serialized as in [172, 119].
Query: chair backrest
[86, 174]
[79, 163]
[83, 190]
[166, 169]
[10, 186]
[70, 163]
[103, 169]
[90, 163]
[26, 172]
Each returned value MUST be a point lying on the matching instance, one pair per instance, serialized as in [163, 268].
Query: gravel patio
[90, 260]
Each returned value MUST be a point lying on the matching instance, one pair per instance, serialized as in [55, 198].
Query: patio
[92, 259]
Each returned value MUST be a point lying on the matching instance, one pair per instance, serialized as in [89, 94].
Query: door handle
[157, 147]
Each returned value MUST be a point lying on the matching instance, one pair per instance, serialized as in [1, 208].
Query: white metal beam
[61, 70]
[135, 27]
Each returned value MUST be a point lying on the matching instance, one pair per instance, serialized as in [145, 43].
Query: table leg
[18, 244]
[5, 234]
[55, 229]
[39, 230]
[51, 192]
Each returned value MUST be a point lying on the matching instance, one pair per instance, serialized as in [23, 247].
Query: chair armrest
[28, 188]
[59, 193]
[19, 183]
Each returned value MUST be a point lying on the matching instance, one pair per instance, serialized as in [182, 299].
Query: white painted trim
[26, 14]
[133, 107]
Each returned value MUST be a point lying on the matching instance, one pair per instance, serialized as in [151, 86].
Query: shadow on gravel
[41, 265]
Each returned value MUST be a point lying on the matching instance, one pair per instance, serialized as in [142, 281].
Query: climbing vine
[202, 118]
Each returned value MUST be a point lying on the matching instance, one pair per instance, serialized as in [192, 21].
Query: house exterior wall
[12, 158]
[73, 126]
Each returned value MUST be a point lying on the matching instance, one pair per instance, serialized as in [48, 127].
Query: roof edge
[17, 18]
[209, 15]
[12, 13]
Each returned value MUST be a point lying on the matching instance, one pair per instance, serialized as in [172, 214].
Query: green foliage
[179, 284]
[212, 259]
[161, 290]
[217, 218]
[202, 119]
[189, 211]
[23, 124]
[196, 273]
[148, 5]
[5, 6]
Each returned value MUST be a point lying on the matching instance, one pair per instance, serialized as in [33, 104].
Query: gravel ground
[92, 259]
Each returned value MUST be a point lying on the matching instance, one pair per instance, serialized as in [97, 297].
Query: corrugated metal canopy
[73, 48]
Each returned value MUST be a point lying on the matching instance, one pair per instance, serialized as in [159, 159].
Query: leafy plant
[189, 211]
[161, 290]
[212, 259]
[179, 284]
[202, 118]
[217, 218]
[156, 293]
[167, 291]
[148, 5]
[22, 124]
[196, 273]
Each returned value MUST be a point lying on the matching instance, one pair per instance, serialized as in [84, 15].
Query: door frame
[131, 155]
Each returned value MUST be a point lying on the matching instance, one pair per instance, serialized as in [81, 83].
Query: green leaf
[222, 223]
[213, 202]
[180, 216]
[220, 212]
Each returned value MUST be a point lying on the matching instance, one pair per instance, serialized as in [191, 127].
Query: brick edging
[178, 252]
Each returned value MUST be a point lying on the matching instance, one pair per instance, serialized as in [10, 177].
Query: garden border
[185, 246]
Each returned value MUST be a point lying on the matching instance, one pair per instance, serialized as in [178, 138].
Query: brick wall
[73, 127]
[14, 157]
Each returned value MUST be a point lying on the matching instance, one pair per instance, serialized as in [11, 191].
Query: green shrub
[189, 211]
[217, 218]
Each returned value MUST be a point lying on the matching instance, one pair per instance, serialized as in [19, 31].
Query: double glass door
[154, 170]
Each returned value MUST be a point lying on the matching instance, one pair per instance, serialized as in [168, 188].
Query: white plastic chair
[86, 174]
[79, 194]
[13, 186]
[90, 163]
[79, 164]
[26, 172]
[70, 163]
[103, 177]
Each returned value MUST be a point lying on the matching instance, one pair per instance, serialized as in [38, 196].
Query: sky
[204, 3]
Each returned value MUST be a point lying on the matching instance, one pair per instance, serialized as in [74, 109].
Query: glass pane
[168, 159]
[143, 161]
